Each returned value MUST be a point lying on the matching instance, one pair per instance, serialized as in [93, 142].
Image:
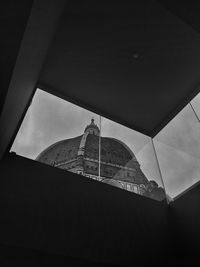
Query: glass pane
[128, 161]
[178, 150]
[196, 105]
[60, 134]
[149, 166]
[66, 136]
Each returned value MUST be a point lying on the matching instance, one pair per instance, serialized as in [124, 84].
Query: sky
[50, 119]
[178, 150]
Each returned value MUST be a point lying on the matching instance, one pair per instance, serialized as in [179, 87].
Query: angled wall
[52, 211]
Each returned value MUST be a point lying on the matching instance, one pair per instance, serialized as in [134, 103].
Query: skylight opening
[66, 136]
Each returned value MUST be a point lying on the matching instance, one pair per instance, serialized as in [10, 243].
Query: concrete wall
[184, 223]
[53, 211]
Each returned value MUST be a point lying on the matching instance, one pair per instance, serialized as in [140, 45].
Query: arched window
[128, 187]
[135, 188]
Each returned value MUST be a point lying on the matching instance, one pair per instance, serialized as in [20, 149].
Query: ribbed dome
[118, 164]
[81, 154]
[64, 150]
[112, 151]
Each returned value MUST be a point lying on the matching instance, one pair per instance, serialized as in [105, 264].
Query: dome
[118, 164]
[58, 152]
[81, 155]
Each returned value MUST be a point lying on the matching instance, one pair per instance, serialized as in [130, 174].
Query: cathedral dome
[118, 164]
[81, 155]
[65, 150]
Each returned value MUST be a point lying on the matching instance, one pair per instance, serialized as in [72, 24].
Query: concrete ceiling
[91, 61]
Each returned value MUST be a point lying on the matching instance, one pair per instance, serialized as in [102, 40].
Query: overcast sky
[50, 119]
[178, 150]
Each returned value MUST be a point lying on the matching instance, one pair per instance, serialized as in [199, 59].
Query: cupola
[92, 128]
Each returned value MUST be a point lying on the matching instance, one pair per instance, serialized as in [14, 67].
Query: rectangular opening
[66, 136]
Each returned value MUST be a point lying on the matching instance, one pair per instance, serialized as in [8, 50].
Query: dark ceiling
[137, 63]
[91, 61]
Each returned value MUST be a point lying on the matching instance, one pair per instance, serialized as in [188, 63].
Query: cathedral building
[118, 165]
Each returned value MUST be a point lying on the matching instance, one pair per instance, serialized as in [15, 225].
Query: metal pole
[99, 147]
[194, 112]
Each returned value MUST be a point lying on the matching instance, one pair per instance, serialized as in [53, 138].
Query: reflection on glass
[178, 150]
[128, 161]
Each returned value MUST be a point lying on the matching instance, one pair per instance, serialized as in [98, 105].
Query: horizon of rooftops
[168, 159]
